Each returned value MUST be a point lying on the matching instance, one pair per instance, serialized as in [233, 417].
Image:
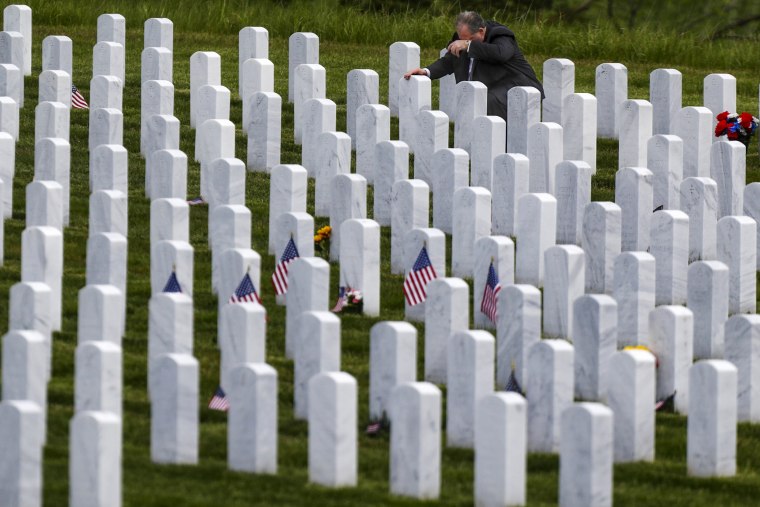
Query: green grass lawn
[210, 483]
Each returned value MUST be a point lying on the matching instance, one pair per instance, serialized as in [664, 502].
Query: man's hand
[415, 72]
[458, 46]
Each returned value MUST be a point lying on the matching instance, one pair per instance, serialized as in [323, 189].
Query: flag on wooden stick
[172, 284]
[489, 305]
[417, 279]
[77, 100]
[219, 401]
[513, 386]
[245, 292]
[280, 275]
[342, 300]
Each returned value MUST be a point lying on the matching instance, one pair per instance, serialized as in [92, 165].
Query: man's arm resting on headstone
[442, 67]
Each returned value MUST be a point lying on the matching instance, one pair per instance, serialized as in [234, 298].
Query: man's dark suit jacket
[499, 64]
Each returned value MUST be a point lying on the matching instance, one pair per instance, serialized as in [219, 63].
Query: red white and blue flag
[489, 305]
[219, 401]
[77, 100]
[513, 386]
[280, 275]
[172, 284]
[245, 292]
[342, 300]
[416, 281]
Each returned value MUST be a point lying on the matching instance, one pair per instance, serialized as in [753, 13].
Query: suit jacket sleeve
[442, 67]
[501, 50]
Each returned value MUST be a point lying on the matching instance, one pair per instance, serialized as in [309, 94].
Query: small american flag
[665, 402]
[77, 100]
[489, 304]
[512, 385]
[280, 275]
[373, 428]
[219, 401]
[245, 292]
[342, 300]
[417, 279]
[172, 284]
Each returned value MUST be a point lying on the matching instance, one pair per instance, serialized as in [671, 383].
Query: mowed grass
[210, 483]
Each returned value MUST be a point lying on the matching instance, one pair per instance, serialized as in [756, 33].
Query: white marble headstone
[174, 410]
[671, 335]
[308, 291]
[523, 111]
[665, 160]
[402, 57]
[711, 427]
[549, 391]
[252, 419]
[630, 395]
[545, 147]
[471, 221]
[634, 195]
[410, 203]
[535, 232]
[415, 442]
[317, 351]
[18, 18]
[393, 361]
[694, 126]
[611, 91]
[205, 69]
[559, 82]
[665, 97]
[373, 125]
[362, 87]
[432, 135]
[452, 173]
[501, 441]
[303, 48]
[112, 27]
[360, 260]
[579, 115]
[699, 200]
[446, 313]
[707, 298]
[264, 131]
[392, 165]
[737, 248]
[586, 455]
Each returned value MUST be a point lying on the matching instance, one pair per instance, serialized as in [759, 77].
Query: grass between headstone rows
[208, 483]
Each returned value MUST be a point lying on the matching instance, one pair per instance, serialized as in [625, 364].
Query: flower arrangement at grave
[322, 241]
[349, 301]
[354, 301]
[737, 127]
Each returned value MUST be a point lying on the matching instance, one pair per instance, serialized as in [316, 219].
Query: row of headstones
[181, 374]
[392, 361]
[628, 318]
[35, 306]
[603, 229]
[335, 141]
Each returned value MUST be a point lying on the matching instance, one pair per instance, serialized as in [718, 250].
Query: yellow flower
[317, 238]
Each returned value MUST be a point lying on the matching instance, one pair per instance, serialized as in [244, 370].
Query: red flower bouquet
[737, 127]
